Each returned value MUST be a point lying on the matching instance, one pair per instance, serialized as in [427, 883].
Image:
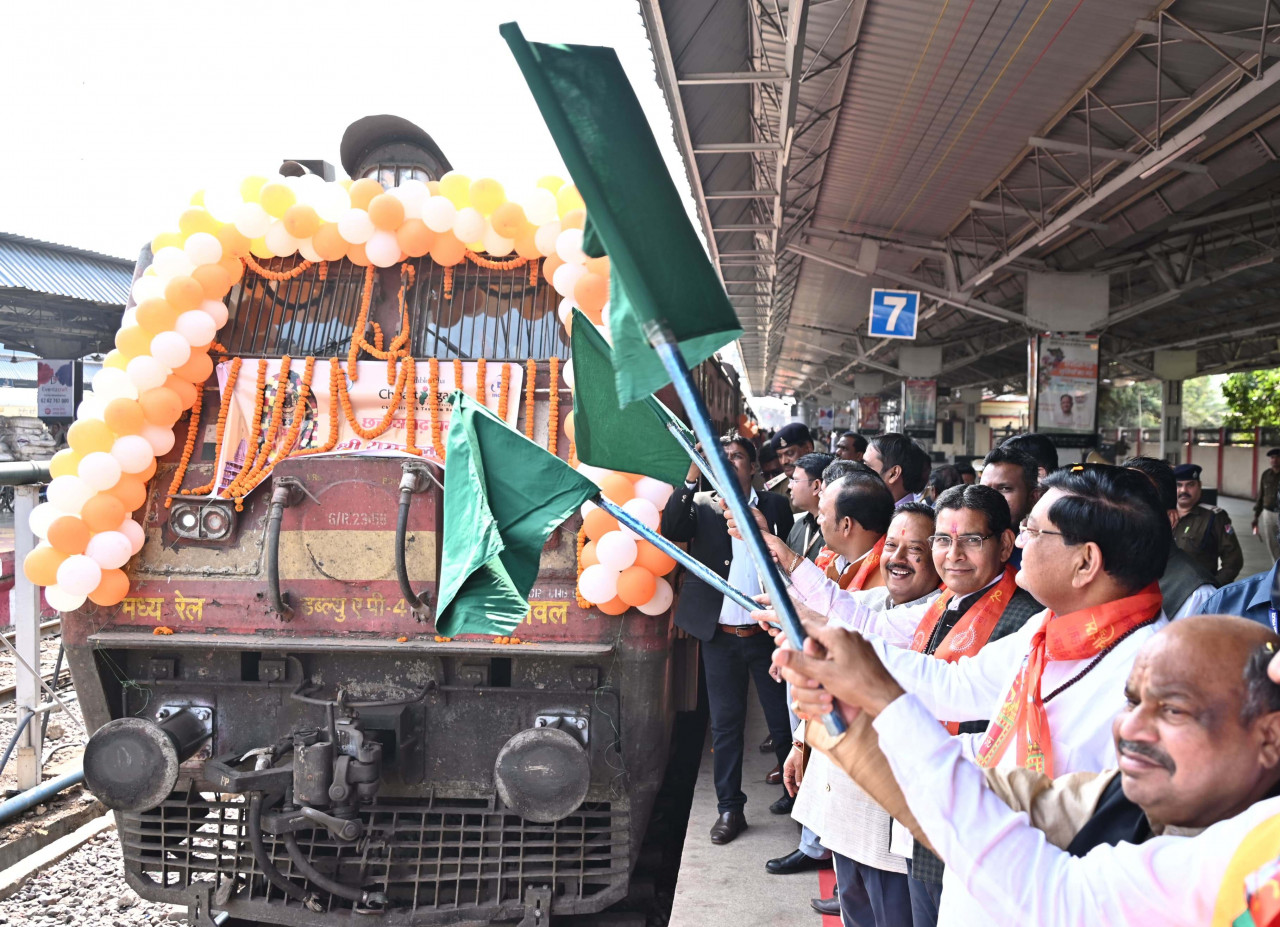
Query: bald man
[1157, 841]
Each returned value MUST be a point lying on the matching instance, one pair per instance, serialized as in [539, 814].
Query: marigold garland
[411, 408]
[193, 429]
[482, 394]
[362, 319]
[582, 542]
[553, 420]
[503, 385]
[335, 378]
[491, 264]
[371, 434]
[232, 375]
[433, 402]
[279, 275]
[258, 451]
[531, 374]
[448, 282]
[255, 430]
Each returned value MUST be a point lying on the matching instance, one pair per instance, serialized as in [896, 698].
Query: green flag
[504, 495]
[658, 268]
[632, 438]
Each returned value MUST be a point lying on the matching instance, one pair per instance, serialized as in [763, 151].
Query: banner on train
[370, 398]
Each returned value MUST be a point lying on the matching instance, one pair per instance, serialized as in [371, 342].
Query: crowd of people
[1057, 699]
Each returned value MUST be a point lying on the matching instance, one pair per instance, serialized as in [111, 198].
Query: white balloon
[616, 550]
[468, 225]
[569, 247]
[655, 491]
[643, 511]
[203, 248]
[148, 286]
[565, 312]
[99, 470]
[62, 601]
[196, 327]
[662, 598]
[594, 474]
[170, 349]
[216, 311]
[438, 213]
[160, 439]
[308, 188]
[109, 549]
[279, 241]
[223, 201]
[566, 278]
[605, 333]
[113, 383]
[332, 202]
[597, 583]
[42, 516]
[495, 244]
[308, 250]
[567, 373]
[604, 317]
[544, 239]
[69, 494]
[587, 507]
[172, 262]
[413, 194]
[133, 453]
[146, 372]
[252, 221]
[356, 227]
[91, 406]
[382, 249]
[79, 575]
[539, 206]
[129, 317]
[133, 531]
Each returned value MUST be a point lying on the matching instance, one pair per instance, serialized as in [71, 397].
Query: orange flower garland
[531, 374]
[362, 319]
[232, 375]
[258, 452]
[411, 407]
[491, 264]
[457, 373]
[482, 394]
[582, 542]
[503, 385]
[335, 378]
[371, 434]
[433, 411]
[299, 414]
[279, 276]
[193, 429]
[255, 430]
[553, 420]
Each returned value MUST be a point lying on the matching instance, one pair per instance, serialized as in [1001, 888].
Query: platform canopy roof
[961, 148]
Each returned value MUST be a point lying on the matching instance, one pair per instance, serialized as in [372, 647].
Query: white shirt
[1195, 602]
[1001, 870]
[866, 611]
[743, 576]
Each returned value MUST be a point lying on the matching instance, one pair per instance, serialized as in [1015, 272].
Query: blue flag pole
[673, 360]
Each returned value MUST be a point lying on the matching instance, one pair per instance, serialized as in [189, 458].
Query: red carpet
[826, 886]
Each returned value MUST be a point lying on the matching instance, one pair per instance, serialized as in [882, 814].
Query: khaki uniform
[1207, 536]
[1265, 511]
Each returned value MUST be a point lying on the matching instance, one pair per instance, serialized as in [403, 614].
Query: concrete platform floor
[729, 884]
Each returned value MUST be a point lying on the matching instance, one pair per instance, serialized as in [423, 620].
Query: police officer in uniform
[1266, 505]
[1204, 531]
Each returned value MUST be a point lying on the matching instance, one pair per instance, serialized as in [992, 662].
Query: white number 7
[897, 303]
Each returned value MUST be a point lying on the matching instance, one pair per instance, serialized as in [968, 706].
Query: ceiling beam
[1110, 154]
[710, 78]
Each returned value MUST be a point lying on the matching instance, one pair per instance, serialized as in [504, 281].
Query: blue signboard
[894, 313]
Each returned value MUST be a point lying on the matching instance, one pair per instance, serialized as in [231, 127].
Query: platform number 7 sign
[893, 313]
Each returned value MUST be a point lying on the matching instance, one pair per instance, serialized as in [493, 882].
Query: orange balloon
[569, 426]
[131, 491]
[447, 250]
[214, 280]
[614, 606]
[363, 191]
[588, 557]
[233, 266]
[148, 473]
[617, 489]
[652, 559]
[574, 220]
[591, 292]
[599, 522]
[156, 315]
[112, 589]
[636, 585]
[328, 243]
[69, 535]
[508, 220]
[386, 212]
[104, 512]
[64, 463]
[161, 406]
[124, 416]
[89, 435]
[598, 265]
[233, 242]
[301, 221]
[186, 392]
[41, 565]
[197, 369]
[525, 245]
[184, 293]
[134, 341]
[414, 238]
[550, 266]
[356, 255]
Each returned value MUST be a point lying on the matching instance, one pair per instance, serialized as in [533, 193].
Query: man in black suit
[734, 648]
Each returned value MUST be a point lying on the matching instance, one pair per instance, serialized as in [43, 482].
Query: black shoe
[826, 905]
[783, 805]
[775, 775]
[767, 746]
[796, 861]
[727, 827]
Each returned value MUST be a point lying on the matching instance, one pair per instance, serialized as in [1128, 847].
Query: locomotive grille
[448, 854]
[494, 314]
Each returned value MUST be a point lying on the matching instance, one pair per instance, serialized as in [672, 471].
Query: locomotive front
[284, 735]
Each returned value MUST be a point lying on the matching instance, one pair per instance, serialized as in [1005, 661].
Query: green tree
[1203, 402]
[1133, 406]
[1253, 399]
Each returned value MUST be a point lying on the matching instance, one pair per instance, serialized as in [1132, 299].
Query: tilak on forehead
[952, 528]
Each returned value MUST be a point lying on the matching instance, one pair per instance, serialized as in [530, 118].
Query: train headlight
[206, 520]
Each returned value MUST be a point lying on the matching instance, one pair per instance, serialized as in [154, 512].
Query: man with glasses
[806, 484]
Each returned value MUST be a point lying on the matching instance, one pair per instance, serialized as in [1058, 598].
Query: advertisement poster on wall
[869, 415]
[1065, 378]
[56, 389]
[826, 417]
[919, 408]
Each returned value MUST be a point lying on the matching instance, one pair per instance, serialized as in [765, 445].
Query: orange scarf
[1076, 636]
[972, 631]
[854, 579]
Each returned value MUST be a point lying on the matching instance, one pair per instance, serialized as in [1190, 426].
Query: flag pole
[684, 558]
[668, 351]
